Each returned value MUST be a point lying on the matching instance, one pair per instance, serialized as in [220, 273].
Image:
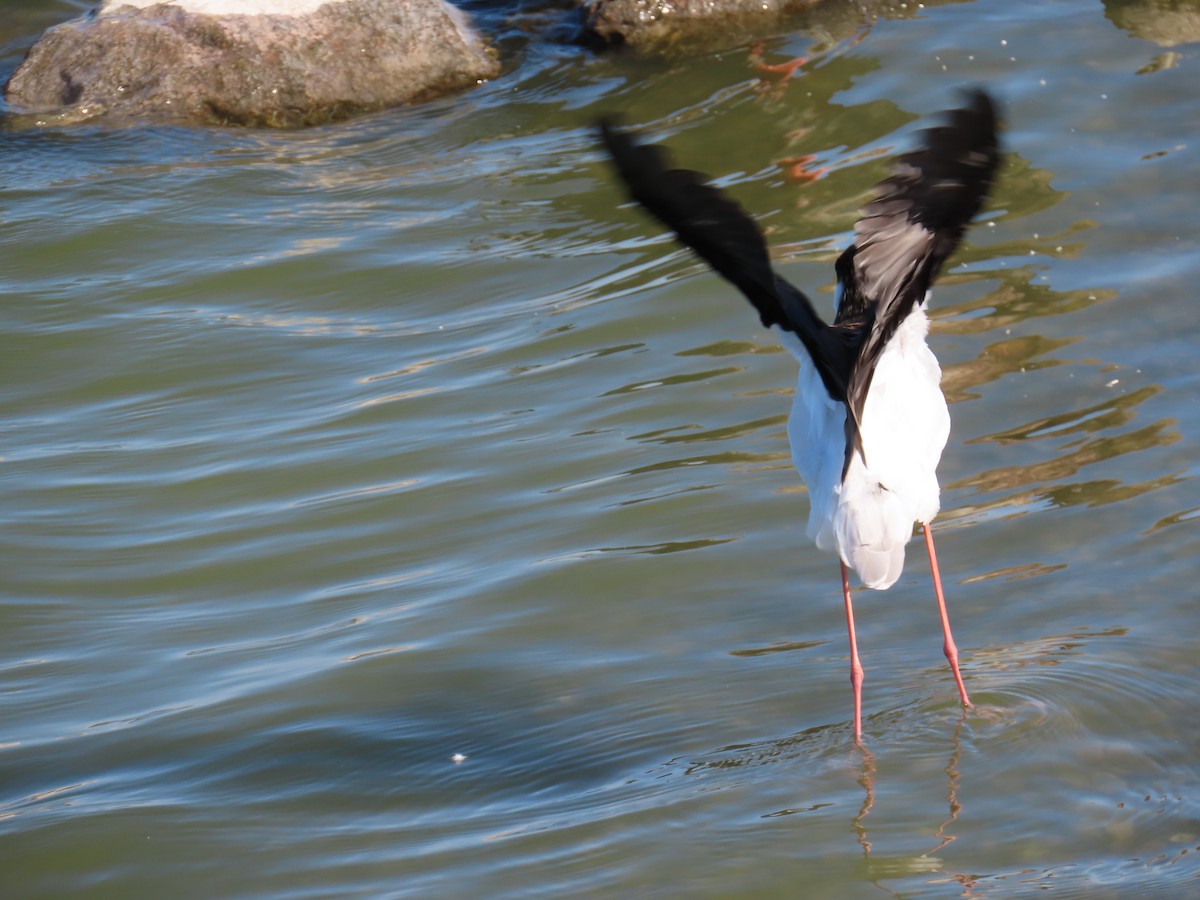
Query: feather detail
[724, 236]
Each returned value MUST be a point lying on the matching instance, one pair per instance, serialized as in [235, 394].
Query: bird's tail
[873, 524]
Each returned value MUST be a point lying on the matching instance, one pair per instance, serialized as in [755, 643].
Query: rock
[278, 63]
[659, 24]
[670, 26]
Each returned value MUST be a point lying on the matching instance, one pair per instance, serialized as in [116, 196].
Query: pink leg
[856, 670]
[948, 645]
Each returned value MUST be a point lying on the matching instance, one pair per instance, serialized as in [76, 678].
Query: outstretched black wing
[911, 228]
[726, 238]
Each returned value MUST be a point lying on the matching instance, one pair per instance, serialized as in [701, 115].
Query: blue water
[388, 509]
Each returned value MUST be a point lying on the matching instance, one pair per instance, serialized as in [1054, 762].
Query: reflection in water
[1105, 415]
[1178, 518]
[1016, 299]
[952, 779]
[1091, 493]
[867, 781]
[1015, 573]
[997, 361]
[824, 755]
[666, 547]
[729, 432]
[1167, 24]
[777, 647]
[1015, 727]
[673, 380]
[898, 867]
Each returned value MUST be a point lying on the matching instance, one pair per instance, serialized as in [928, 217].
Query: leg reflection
[867, 781]
[952, 779]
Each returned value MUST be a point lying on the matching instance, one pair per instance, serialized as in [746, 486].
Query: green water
[328, 455]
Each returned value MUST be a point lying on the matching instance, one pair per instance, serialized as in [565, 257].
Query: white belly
[868, 517]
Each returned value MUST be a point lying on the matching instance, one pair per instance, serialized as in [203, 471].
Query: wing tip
[608, 124]
[980, 101]
[962, 153]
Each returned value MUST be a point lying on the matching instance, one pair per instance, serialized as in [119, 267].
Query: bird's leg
[948, 645]
[856, 669]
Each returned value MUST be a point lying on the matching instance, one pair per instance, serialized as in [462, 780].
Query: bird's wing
[911, 228]
[726, 238]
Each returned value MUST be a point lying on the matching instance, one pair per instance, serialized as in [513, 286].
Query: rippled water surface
[326, 456]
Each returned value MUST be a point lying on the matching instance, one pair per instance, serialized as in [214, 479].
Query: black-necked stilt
[869, 421]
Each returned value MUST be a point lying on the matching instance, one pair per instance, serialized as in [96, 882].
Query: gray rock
[278, 63]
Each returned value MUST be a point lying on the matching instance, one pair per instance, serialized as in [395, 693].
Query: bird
[869, 420]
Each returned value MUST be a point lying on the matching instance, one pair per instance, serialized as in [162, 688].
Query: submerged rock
[278, 63]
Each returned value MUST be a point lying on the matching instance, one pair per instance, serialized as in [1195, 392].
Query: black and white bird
[869, 421]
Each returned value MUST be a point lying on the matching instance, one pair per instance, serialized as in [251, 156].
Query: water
[329, 455]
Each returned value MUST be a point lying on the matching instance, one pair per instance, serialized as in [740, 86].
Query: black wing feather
[726, 238]
[906, 234]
